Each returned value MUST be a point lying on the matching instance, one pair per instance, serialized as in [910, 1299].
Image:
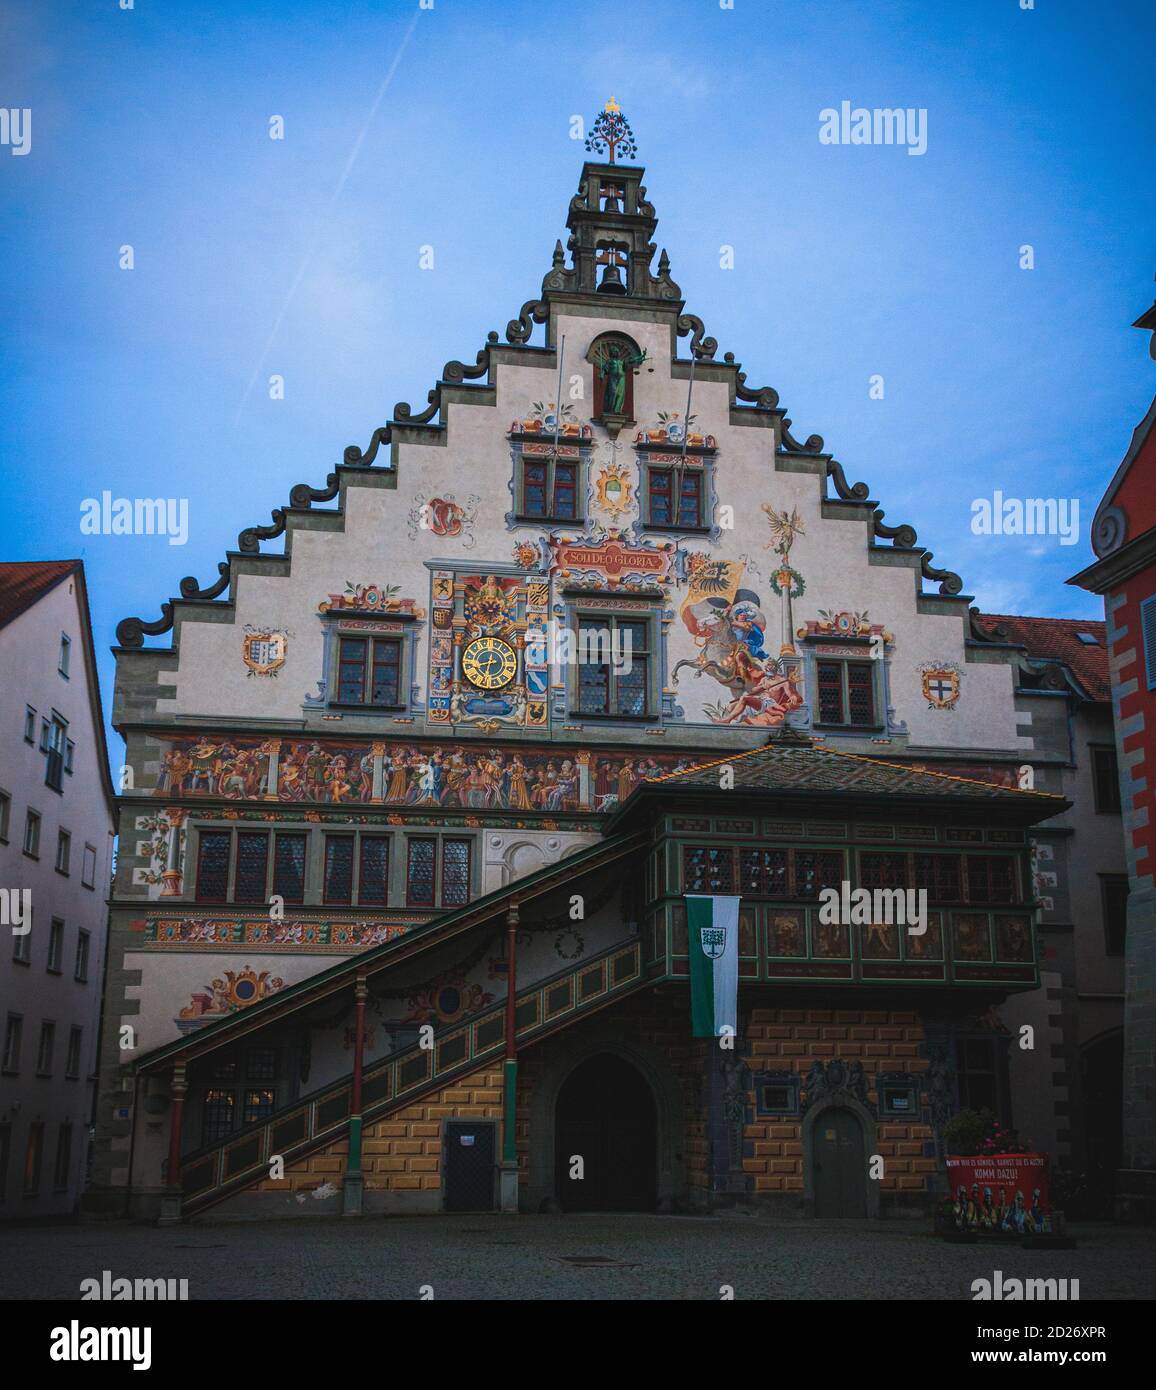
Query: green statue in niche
[613, 362]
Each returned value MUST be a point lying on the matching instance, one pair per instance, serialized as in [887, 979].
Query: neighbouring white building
[56, 834]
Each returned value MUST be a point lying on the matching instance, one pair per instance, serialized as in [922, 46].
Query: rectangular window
[32, 834]
[421, 855]
[72, 1062]
[613, 666]
[369, 671]
[816, 870]
[338, 886]
[69, 755]
[22, 942]
[32, 1159]
[549, 489]
[1148, 636]
[977, 1073]
[764, 872]
[217, 1115]
[55, 946]
[707, 869]
[373, 871]
[63, 1156]
[990, 879]
[882, 871]
[1114, 903]
[83, 942]
[65, 654]
[5, 1159]
[1105, 779]
[46, 1049]
[63, 851]
[258, 1106]
[940, 875]
[213, 866]
[5, 815]
[289, 868]
[675, 497]
[455, 873]
[13, 1032]
[252, 866]
[88, 867]
[29, 724]
[54, 766]
[846, 693]
[261, 1064]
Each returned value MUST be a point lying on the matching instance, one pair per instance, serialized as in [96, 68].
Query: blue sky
[450, 127]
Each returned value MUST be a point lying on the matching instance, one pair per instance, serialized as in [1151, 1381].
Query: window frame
[1110, 883]
[74, 1057]
[1104, 767]
[33, 821]
[63, 843]
[65, 658]
[439, 870]
[83, 956]
[86, 882]
[30, 725]
[55, 963]
[844, 663]
[550, 461]
[580, 616]
[1147, 608]
[13, 1044]
[678, 474]
[368, 665]
[5, 814]
[46, 1045]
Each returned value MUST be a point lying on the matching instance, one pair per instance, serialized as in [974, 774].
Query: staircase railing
[216, 1171]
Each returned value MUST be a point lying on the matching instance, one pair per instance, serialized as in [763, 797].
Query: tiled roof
[1055, 639]
[22, 582]
[787, 767]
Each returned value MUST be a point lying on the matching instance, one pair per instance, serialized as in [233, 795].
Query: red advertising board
[1000, 1194]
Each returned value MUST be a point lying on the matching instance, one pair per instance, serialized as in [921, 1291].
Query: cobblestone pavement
[491, 1256]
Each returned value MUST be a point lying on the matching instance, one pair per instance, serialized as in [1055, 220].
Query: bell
[611, 282]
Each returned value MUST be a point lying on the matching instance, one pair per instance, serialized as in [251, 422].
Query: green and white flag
[713, 929]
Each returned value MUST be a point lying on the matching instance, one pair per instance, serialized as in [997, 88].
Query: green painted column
[510, 1111]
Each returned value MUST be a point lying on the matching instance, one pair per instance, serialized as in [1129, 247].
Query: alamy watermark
[560, 645]
[877, 125]
[1027, 516]
[135, 516]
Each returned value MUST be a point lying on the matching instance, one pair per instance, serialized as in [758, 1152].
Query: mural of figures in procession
[411, 774]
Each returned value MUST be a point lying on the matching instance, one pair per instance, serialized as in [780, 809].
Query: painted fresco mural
[510, 778]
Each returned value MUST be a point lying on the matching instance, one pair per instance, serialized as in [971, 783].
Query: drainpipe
[354, 1178]
[508, 1168]
[171, 1200]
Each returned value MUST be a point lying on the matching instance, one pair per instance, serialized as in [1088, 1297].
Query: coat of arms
[263, 652]
[714, 941]
[940, 681]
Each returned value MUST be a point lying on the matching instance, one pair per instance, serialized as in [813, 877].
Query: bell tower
[611, 225]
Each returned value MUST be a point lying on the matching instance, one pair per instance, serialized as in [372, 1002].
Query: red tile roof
[1055, 639]
[22, 582]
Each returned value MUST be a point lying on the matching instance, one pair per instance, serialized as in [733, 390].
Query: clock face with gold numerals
[489, 663]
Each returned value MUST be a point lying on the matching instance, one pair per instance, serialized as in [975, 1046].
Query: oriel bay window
[369, 671]
[430, 860]
[847, 693]
[548, 488]
[946, 878]
[762, 873]
[613, 660]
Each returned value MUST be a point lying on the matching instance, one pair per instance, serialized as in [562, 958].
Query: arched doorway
[839, 1164]
[606, 1116]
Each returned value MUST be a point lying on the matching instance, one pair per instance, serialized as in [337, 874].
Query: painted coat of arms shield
[714, 941]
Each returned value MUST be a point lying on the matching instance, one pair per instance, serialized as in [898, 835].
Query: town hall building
[415, 803]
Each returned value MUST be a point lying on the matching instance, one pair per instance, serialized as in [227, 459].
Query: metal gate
[469, 1166]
